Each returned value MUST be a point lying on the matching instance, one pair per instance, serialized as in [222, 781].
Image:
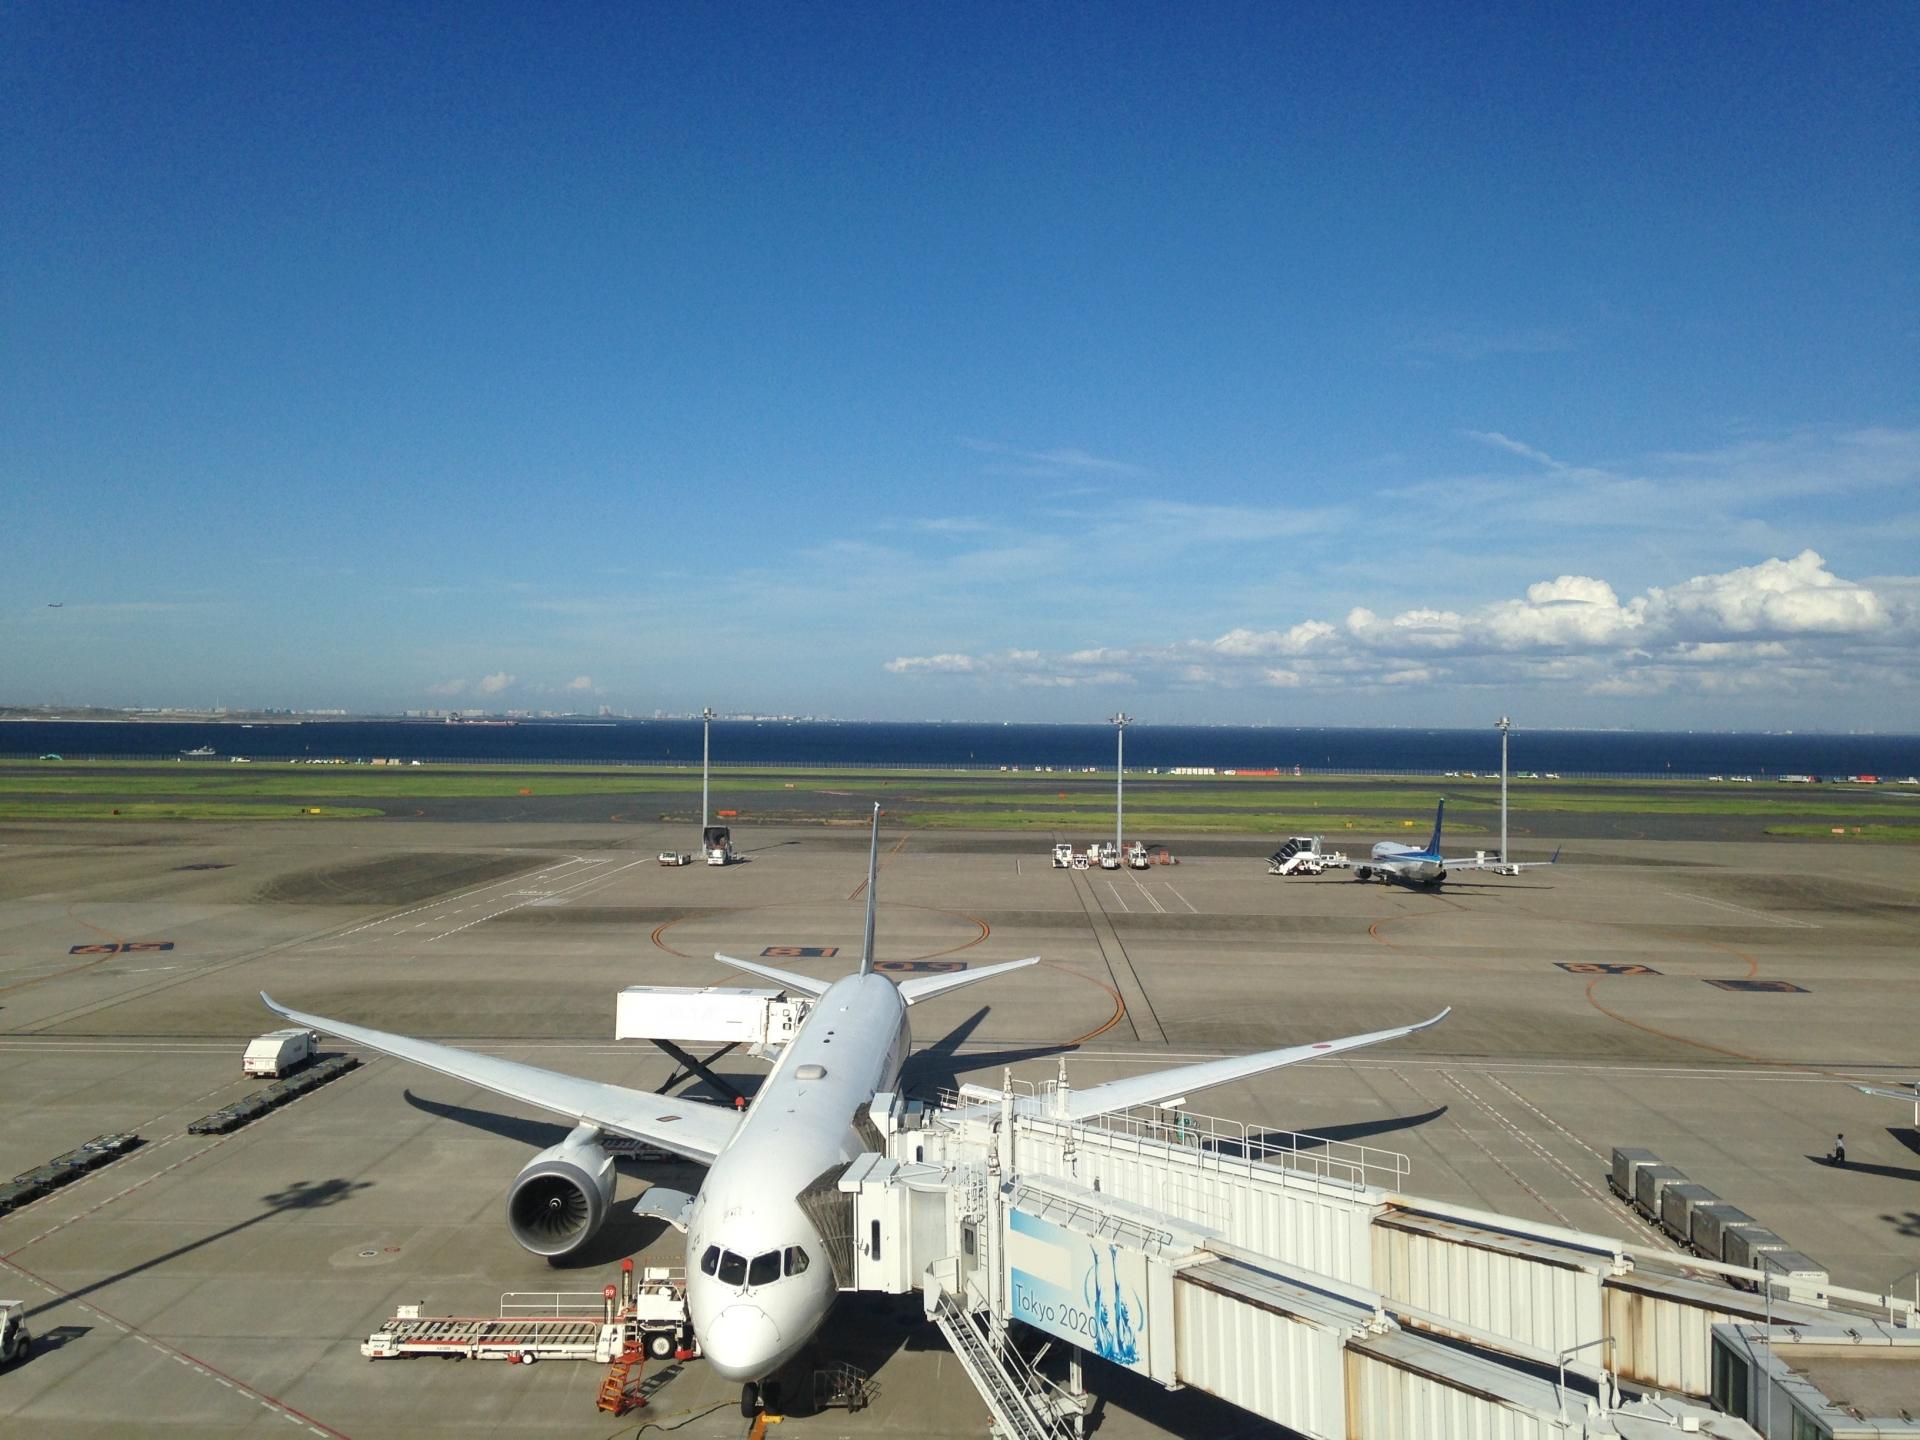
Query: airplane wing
[1158, 1086]
[691, 1128]
[1912, 1097]
[1505, 867]
[805, 984]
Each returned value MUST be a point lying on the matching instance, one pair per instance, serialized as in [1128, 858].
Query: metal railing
[553, 1305]
[1211, 1141]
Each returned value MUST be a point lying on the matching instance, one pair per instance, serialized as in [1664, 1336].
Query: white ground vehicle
[1109, 856]
[1063, 856]
[1302, 855]
[716, 843]
[1137, 856]
[15, 1342]
[675, 857]
[278, 1052]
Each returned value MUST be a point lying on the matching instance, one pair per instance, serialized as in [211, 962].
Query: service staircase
[619, 1392]
[1025, 1405]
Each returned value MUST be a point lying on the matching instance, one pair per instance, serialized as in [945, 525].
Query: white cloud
[948, 664]
[1776, 597]
[580, 683]
[493, 684]
[448, 688]
[1782, 622]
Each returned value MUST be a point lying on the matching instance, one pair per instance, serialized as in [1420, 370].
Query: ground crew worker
[1839, 1150]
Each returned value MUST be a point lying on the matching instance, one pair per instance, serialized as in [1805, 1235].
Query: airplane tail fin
[1439, 817]
[873, 883]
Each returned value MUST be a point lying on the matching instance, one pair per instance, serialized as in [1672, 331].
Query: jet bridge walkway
[1292, 1277]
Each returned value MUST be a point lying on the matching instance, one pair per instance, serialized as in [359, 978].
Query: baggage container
[1676, 1208]
[1745, 1244]
[1710, 1226]
[1648, 1182]
[1801, 1276]
[1626, 1160]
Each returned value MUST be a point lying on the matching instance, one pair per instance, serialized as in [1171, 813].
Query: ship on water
[204, 752]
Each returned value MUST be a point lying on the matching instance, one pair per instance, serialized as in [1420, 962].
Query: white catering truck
[279, 1052]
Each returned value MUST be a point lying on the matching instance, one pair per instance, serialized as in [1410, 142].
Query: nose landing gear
[750, 1399]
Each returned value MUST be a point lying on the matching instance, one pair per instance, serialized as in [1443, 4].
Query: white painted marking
[1116, 895]
[1742, 910]
[1182, 899]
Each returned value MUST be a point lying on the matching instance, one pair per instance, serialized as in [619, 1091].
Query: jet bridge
[1290, 1276]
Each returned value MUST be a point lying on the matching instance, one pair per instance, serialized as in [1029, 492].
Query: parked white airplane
[759, 1282]
[1425, 865]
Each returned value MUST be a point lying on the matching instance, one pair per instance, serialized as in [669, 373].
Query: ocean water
[975, 746]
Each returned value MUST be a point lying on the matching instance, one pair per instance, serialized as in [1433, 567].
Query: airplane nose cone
[741, 1342]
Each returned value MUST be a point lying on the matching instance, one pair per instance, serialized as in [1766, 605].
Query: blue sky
[1231, 363]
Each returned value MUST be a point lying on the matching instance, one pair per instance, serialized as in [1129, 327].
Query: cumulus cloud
[1780, 622]
[580, 683]
[493, 684]
[1776, 597]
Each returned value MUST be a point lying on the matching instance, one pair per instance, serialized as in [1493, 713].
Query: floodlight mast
[706, 751]
[1503, 725]
[1120, 722]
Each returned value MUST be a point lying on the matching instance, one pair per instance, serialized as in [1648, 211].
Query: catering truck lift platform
[649, 1318]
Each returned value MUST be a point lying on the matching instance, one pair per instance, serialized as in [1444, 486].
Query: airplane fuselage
[1405, 863]
[758, 1279]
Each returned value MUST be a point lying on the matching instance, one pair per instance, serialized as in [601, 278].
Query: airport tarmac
[221, 1285]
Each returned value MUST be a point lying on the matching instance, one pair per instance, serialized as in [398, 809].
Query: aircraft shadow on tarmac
[301, 1195]
[940, 1065]
[1861, 1167]
[1282, 1142]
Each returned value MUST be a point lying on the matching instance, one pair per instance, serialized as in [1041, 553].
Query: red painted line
[271, 1402]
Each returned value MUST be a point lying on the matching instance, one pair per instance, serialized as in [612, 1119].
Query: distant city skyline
[1234, 365]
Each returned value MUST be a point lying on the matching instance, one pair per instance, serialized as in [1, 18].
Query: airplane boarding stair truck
[716, 843]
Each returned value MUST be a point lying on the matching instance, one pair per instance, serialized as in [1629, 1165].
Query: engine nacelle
[561, 1198]
[1363, 872]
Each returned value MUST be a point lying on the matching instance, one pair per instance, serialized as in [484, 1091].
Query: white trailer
[278, 1052]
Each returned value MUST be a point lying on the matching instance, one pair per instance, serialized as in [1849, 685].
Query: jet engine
[562, 1196]
[1364, 872]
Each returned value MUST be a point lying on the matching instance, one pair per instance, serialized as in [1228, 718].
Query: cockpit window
[765, 1269]
[733, 1268]
[709, 1260]
[796, 1260]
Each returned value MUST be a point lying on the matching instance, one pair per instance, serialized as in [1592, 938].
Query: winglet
[873, 879]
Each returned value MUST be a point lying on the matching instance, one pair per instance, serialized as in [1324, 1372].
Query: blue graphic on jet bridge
[1085, 1289]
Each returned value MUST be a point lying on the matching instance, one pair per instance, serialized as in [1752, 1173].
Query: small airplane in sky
[759, 1279]
[1426, 866]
